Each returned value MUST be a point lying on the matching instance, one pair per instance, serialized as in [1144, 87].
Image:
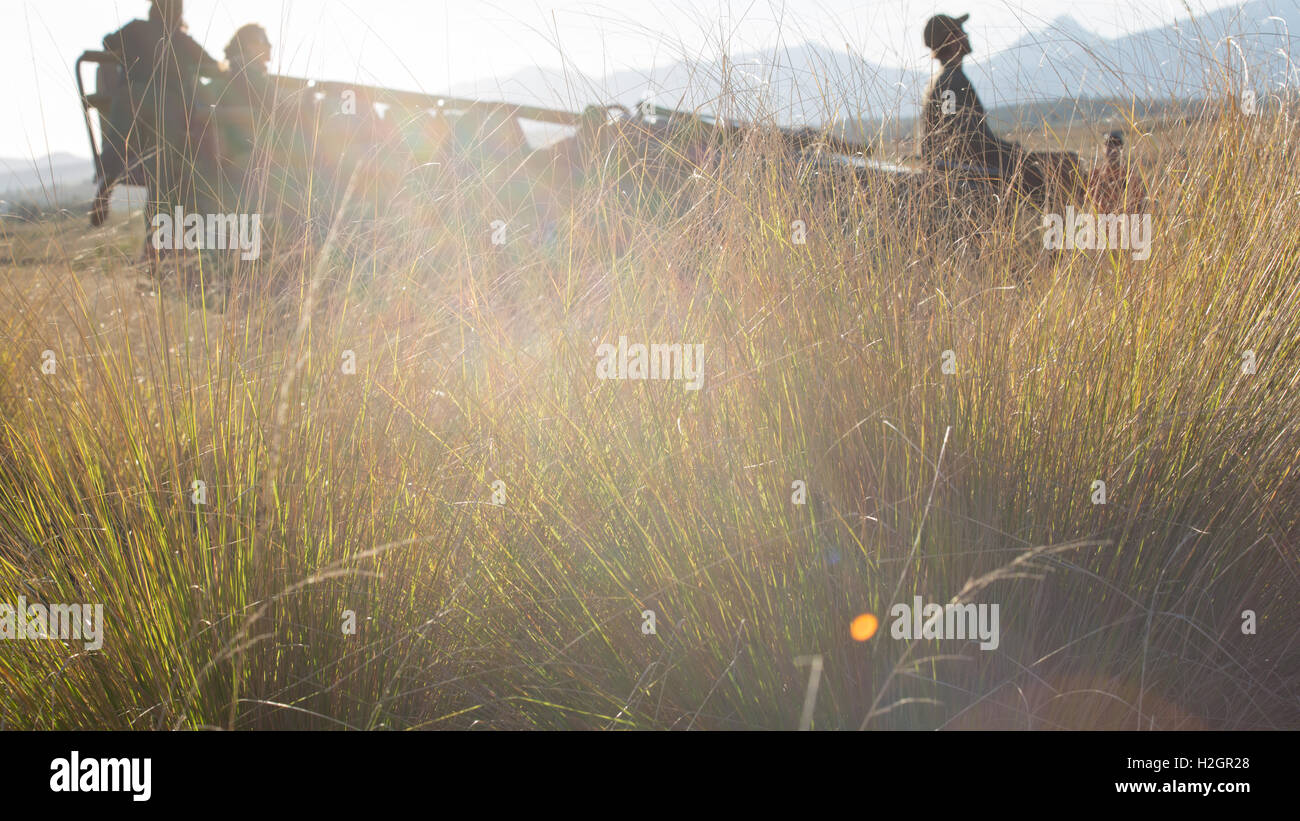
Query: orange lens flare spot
[863, 627]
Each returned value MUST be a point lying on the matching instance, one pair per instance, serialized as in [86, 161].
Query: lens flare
[863, 627]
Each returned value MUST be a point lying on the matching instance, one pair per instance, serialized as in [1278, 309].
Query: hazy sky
[430, 45]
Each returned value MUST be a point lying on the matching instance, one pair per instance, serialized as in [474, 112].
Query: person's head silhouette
[944, 36]
[249, 49]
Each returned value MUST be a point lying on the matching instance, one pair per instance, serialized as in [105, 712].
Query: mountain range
[1244, 46]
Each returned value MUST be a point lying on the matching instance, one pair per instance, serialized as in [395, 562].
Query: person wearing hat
[956, 133]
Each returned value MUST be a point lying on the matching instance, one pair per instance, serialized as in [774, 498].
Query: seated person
[263, 134]
[245, 104]
[1114, 186]
[956, 134]
[158, 105]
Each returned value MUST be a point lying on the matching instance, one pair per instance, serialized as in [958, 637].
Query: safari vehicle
[664, 143]
[1056, 176]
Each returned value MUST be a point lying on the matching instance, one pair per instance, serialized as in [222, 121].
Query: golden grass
[372, 492]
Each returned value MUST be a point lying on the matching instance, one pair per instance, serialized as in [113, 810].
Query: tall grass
[373, 492]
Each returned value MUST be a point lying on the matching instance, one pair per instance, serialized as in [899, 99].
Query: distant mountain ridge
[1063, 60]
[57, 180]
[17, 176]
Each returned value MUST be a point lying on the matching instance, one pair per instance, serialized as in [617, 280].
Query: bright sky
[430, 45]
